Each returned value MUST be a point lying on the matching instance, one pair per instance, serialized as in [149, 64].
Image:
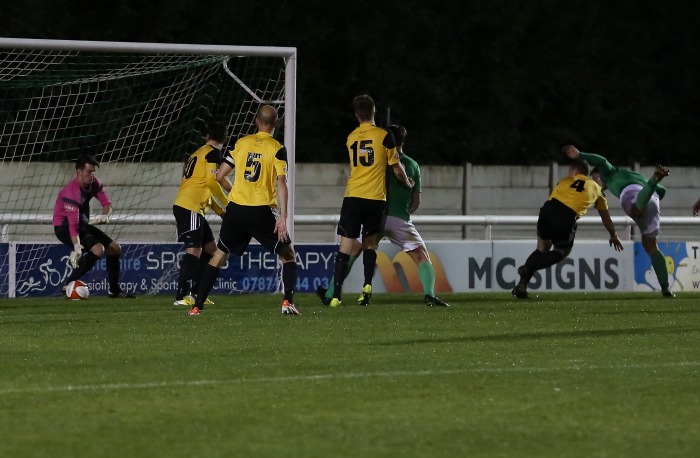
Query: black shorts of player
[557, 223]
[192, 228]
[243, 222]
[89, 236]
[360, 216]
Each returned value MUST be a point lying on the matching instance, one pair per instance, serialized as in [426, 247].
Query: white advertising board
[477, 266]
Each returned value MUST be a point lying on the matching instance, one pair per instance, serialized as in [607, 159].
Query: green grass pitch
[580, 375]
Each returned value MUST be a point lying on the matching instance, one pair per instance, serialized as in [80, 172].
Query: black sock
[551, 257]
[84, 264]
[206, 284]
[184, 281]
[539, 260]
[369, 261]
[530, 264]
[113, 274]
[289, 279]
[203, 261]
[341, 268]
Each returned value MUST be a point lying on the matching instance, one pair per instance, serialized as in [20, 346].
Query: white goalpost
[140, 109]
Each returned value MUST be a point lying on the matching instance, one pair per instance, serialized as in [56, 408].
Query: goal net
[140, 109]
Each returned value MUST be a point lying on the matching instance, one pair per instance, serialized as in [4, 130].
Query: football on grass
[77, 290]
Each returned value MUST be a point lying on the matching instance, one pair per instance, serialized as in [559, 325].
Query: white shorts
[402, 233]
[649, 223]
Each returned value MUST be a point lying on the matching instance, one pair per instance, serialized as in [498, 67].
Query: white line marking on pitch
[351, 375]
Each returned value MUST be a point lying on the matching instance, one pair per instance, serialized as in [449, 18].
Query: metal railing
[485, 221]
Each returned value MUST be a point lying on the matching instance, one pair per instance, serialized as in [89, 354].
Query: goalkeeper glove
[102, 219]
[76, 254]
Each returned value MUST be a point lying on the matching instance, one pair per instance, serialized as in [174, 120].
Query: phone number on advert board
[304, 284]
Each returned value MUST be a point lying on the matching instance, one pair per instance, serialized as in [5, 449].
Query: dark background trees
[485, 81]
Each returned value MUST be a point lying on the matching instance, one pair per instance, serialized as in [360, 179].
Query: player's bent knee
[370, 242]
[649, 244]
[287, 254]
[419, 254]
[114, 249]
[563, 251]
[218, 258]
[98, 250]
[195, 250]
[209, 248]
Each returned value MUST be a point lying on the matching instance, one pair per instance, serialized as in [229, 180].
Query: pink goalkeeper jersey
[73, 204]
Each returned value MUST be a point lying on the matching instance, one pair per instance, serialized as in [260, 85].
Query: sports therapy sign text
[463, 266]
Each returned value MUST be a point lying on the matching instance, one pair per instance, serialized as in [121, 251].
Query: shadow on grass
[537, 297]
[522, 336]
[643, 312]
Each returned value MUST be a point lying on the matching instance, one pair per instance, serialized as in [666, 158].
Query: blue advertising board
[41, 269]
[4, 268]
[682, 266]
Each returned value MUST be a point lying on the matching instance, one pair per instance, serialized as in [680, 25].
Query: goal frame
[288, 53]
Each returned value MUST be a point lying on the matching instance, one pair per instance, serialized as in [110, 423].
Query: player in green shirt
[639, 198]
[398, 227]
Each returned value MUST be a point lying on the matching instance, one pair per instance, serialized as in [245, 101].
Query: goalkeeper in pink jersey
[73, 226]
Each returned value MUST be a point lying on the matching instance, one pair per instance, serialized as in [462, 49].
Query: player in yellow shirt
[193, 199]
[401, 203]
[257, 208]
[371, 151]
[556, 225]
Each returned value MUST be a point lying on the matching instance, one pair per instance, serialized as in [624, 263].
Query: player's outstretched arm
[571, 151]
[595, 160]
[400, 173]
[610, 227]
[616, 243]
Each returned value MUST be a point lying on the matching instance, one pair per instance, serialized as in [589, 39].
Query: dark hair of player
[84, 160]
[399, 133]
[582, 166]
[217, 131]
[364, 107]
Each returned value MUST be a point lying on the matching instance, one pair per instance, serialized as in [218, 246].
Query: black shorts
[360, 216]
[89, 236]
[192, 228]
[243, 222]
[557, 223]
